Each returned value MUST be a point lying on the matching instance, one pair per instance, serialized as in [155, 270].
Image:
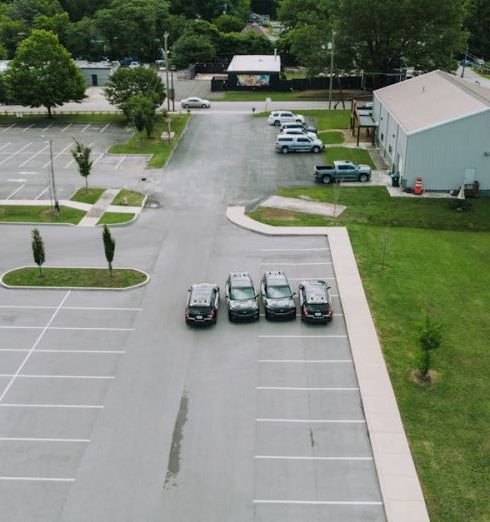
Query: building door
[95, 80]
[469, 176]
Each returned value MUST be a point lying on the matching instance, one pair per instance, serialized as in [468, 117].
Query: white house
[436, 126]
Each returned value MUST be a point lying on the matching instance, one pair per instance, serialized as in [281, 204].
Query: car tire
[277, 123]
[327, 180]
[363, 178]
[267, 315]
[284, 150]
[186, 106]
[316, 149]
[230, 317]
[204, 106]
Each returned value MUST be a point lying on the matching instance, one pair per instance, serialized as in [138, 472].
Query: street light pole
[53, 184]
[172, 90]
[331, 70]
[165, 39]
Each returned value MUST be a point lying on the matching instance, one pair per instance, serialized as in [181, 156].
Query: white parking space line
[66, 128]
[33, 307]
[288, 388]
[101, 329]
[28, 127]
[34, 376]
[314, 421]
[39, 439]
[287, 457]
[36, 342]
[86, 127]
[73, 159]
[119, 162]
[9, 127]
[5, 144]
[296, 264]
[321, 502]
[104, 128]
[48, 127]
[39, 479]
[33, 156]
[15, 153]
[302, 336]
[101, 155]
[311, 278]
[306, 361]
[61, 351]
[294, 249]
[74, 406]
[57, 155]
[41, 194]
[15, 191]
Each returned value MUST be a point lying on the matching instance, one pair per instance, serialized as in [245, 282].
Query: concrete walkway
[400, 487]
[304, 205]
[101, 205]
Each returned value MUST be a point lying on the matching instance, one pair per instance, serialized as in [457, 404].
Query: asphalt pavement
[237, 422]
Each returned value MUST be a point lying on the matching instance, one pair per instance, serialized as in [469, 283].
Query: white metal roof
[243, 63]
[433, 99]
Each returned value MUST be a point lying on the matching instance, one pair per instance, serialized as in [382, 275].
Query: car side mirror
[217, 288]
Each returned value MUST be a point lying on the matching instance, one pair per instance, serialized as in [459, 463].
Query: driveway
[238, 422]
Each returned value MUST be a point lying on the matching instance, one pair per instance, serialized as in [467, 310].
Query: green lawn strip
[79, 117]
[312, 95]
[329, 137]
[374, 206]
[76, 277]
[129, 198]
[111, 218]
[90, 196]
[345, 153]
[160, 150]
[447, 274]
[39, 214]
[324, 119]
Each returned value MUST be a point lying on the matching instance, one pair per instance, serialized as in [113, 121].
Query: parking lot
[58, 356]
[25, 158]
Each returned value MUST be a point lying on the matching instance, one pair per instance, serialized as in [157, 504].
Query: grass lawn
[160, 150]
[79, 117]
[374, 206]
[439, 265]
[77, 277]
[323, 119]
[39, 214]
[344, 153]
[91, 196]
[312, 95]
[111, 218]
[129, 198]
[329, 137]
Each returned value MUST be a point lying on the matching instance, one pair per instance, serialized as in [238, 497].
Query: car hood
[280, 303]
[243, 305]
[365, 168]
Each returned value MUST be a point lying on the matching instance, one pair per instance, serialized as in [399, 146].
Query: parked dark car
[314, 302]
[202, 304]
[277, 296]
[241, 297]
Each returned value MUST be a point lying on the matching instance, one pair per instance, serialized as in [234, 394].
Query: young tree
[126, 82]
[109, 247]
[228, 24]
[42, 73]
[38, 249]
[81, 154]
[142, 113]
[430, 335]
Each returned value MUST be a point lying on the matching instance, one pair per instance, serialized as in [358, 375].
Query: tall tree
[38, 249]
[142, 113]
[81, 154]
[478, 24]
[126, 82]
[42, 73]
[192, 48]
[109, 247]
[264, 7]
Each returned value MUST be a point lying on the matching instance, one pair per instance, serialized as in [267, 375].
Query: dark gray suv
[241, 297]
[202, 304]
[277, 296]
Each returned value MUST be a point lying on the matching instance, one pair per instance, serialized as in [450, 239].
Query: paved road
[235, 422]
[474, 77]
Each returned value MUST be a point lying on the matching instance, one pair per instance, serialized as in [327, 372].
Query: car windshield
[278, 292]
[242, 294]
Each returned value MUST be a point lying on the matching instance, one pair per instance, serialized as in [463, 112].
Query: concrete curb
[184, 130]
[399, 484]
[98, 288]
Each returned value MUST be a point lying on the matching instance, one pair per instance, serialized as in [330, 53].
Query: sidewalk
[400, 487]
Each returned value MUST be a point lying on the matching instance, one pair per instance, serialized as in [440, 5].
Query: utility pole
[53, 185]
[172, 90]
[165, 39]
[464, 61]
[332, 48]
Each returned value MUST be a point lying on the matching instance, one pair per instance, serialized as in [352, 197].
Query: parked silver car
[195, 102]
[297, 132]
[278, 117]
[298, 143]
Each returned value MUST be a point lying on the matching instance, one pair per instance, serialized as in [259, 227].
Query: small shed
[254, 72]
[96, 73]
[436, 126]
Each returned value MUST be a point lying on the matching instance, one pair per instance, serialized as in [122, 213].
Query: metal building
[96, 73]
[436, 126]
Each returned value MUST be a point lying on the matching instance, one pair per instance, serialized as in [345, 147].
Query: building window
[382, 136]
[389, 149]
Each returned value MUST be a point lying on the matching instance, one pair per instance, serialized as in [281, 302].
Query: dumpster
[395, 179]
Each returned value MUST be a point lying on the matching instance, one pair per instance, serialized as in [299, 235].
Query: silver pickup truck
[342, 171]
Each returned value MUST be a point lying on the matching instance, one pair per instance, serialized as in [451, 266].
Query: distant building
[96, 73]
[254, 71]
[436, 126]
